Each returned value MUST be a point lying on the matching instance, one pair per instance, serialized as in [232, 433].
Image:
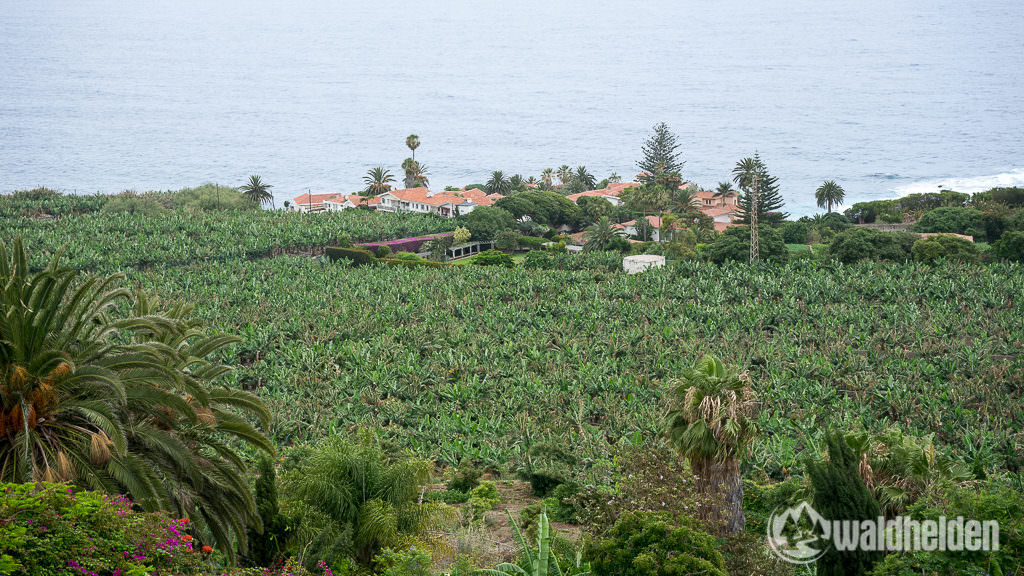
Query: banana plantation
[553, 383]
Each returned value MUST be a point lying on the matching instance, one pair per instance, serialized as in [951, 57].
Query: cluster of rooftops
[723, 210]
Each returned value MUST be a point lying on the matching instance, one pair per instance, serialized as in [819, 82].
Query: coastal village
[722, 209]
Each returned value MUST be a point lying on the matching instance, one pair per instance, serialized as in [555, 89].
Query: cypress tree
[661, 152]
[267, 547]
[840, 494]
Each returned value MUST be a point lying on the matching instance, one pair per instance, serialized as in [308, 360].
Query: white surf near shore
[968, 185]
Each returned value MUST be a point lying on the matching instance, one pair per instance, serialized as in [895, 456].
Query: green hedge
[358, 257]
[532, 242]
[413, 263]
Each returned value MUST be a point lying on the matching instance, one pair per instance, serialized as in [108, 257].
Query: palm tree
[413, 142]
[419, 173]
[547, 177]
[614, 177]
[498, 184]
[352, 492]
[531, 182]
[516, 182]
[583, 180]
[724, 189]
[378, 181]
[120, 402]
[600, 234]
[711, 422]
[681, 200]
[564, 174]
[829, 194]
[256, 191]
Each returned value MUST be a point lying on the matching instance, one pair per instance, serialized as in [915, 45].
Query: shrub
[49, 529]
[857, 244]
[447, 496]
[382, 251]
[507, 240]
[795, 232]
[944, 247]
[647, 544]
[410, 562]
[355, 256]
[493, 258]
[1009, 196]
[461, 235]
[734, 244]
[1009, 247]
[482, 499]
[952, 219]
[409, 257]
[618, 244]
[532, 242]
[990, 500]
[465, 479]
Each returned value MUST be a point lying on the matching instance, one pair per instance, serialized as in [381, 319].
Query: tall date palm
[257, 191]
[829, 194]
[378, 181]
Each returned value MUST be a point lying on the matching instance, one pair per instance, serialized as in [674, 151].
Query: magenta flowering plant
[404, 244]
[51, 529]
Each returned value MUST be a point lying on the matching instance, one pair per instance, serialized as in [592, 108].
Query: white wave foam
[966, 184]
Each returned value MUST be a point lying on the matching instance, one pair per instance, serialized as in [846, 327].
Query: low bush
[354, 255]
[855, 244]
[952, 219]
[447, 496]
[648, 544]
[483, 499]
[382, 251]
[410, 562]
[465, 479]
[1009, 247]
[493, 258]
[532, 242]
[795, 232]
[944, 247]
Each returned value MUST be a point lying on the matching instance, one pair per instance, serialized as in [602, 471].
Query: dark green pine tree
[840, 494]
[769, 198]
[661, 152]
[267, 547]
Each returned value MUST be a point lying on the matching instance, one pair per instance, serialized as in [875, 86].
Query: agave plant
[541, 561]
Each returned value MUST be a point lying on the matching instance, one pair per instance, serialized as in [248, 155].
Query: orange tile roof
[718, 210]
[312, 199]
[426, 196]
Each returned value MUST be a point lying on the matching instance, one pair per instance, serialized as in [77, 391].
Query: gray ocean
[886, 96]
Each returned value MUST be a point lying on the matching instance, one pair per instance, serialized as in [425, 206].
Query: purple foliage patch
[404, 244]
